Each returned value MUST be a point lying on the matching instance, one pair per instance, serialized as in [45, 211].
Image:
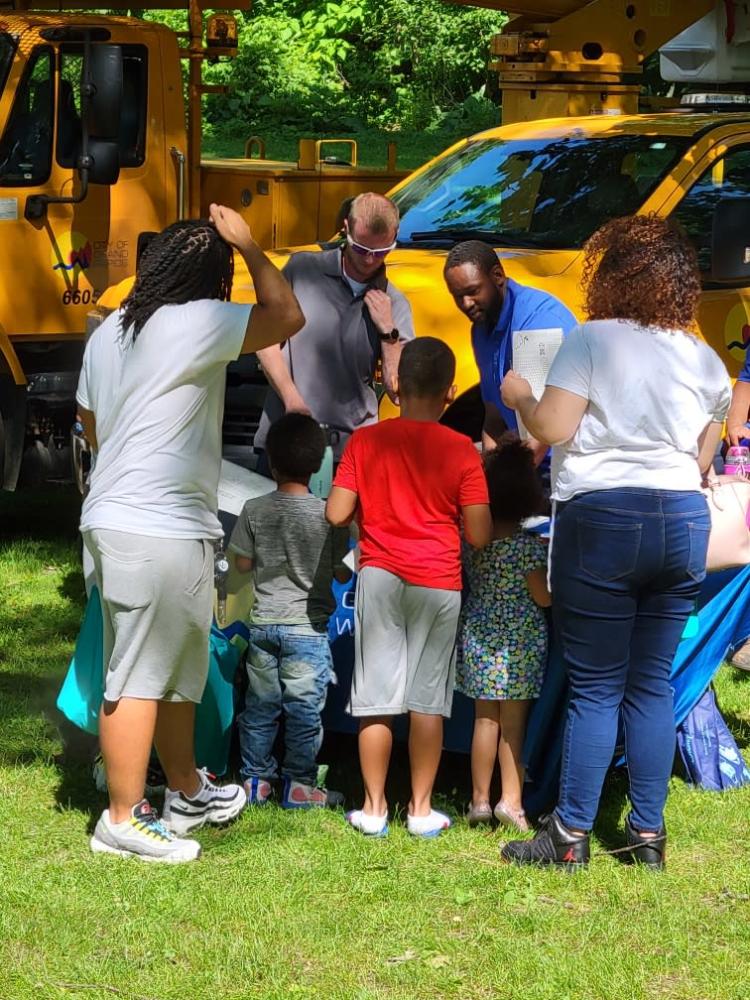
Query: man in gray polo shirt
[354, 318]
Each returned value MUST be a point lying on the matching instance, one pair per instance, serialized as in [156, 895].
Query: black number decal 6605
[75, 297]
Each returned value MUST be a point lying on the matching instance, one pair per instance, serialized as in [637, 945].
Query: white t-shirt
[158, 405]
[651, 393]
[357, 287]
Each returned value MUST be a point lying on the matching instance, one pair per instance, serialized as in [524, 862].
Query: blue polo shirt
[744, 375]
[524, 308]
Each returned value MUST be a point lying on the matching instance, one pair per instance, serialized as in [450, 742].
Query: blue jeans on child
[289, 668]
[627, 565]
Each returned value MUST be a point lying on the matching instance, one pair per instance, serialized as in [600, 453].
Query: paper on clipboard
[237, 485]
[533, 353]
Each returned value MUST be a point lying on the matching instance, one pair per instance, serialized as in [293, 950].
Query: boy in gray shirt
[283, 538]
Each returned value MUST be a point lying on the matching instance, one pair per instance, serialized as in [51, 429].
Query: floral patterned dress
[502, 634]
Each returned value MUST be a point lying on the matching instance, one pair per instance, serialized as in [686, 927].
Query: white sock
[365, 823]
[425, 825]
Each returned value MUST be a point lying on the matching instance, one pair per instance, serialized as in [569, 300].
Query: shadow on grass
[72, 588]
[608, 826]
[52, 513]
[452, 787]
[739, 728]
[76, 789]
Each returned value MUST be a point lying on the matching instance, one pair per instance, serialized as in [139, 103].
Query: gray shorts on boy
[404, 646]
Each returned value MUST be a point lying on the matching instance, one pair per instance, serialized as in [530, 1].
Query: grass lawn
[298, 906]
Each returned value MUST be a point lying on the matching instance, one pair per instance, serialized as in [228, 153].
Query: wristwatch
[390, 338]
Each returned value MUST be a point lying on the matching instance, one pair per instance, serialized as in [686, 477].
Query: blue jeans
[289, 668]
[627, 565]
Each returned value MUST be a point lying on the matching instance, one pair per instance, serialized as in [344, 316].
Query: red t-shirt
[412, 477]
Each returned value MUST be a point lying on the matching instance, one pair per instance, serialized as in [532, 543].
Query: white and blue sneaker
[429, 826]
[258, 791]
[215, 804]
[298, 795]
[142, 836]
[371, 826]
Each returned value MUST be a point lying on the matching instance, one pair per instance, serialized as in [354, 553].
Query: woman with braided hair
[151, 397]
[634, 405]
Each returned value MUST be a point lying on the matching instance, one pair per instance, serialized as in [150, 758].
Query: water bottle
[221, 582]
[737, 461]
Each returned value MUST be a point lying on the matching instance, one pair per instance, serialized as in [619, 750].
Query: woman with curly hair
[634, 405]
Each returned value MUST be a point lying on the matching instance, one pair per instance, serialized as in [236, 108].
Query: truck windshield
[546, 193]
[7, 48]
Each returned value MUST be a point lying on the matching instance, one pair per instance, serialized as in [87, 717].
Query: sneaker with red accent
[296, 795]
[142, 836]
[212, 803]
[258, 791]
[553, 844]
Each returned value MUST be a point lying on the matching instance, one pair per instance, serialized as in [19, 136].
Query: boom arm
[575, 57]
[59, 5]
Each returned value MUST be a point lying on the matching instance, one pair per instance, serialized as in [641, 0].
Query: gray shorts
[404, 646]
[157, 603]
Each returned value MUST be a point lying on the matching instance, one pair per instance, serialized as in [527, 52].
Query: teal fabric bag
[82, 691]
[81, 694]
[215, 714]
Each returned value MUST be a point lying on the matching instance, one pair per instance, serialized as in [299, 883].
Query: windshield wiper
[459, 235]
[494, 239]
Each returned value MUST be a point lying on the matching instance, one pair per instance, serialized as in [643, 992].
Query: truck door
[54, 266]
[725, 308]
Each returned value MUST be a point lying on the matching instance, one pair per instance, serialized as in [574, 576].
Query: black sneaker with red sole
[553, 844]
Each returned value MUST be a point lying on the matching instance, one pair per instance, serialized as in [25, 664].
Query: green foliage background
[317, 66]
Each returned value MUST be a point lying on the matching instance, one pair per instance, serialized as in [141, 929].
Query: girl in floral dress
[503, 633]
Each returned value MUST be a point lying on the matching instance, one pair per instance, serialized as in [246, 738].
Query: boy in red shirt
[410, 482]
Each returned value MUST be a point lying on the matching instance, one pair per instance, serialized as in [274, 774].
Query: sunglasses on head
[364, 251]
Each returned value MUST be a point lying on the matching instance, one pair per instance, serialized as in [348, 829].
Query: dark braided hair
[185, 262]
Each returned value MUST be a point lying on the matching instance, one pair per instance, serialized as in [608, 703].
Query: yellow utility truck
[97, 147]
[575, 151]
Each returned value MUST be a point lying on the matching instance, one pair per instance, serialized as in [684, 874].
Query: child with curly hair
[503, 633]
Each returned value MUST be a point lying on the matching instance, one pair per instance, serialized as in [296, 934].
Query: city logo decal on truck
[737, 329]
[73, 251]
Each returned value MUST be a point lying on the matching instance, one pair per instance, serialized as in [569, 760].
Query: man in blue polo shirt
[740, 409]
[497, 306]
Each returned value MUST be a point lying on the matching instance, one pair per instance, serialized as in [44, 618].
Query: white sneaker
[212, 803]
[142, 836]
[431, 825]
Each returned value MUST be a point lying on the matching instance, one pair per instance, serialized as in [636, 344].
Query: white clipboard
[533, 354]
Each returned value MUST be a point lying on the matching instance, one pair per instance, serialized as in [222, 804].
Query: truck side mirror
[101, 107]
[730, 241]
[103, 162]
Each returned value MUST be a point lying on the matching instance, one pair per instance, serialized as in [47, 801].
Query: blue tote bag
[709, 752]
